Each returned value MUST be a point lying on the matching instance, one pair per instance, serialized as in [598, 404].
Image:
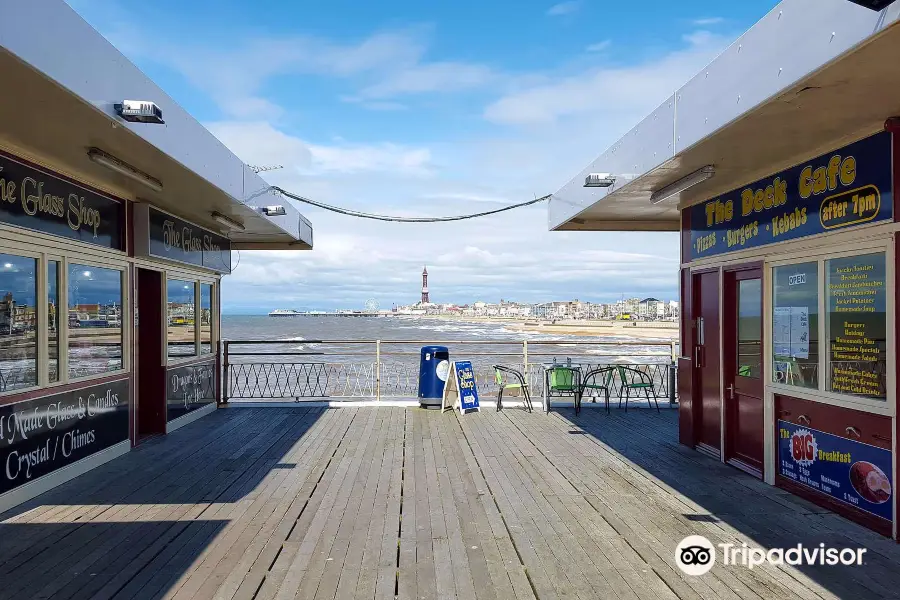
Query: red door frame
[701, 357]
[743, 397]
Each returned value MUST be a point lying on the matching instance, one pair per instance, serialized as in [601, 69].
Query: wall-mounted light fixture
[227, 222]
[273, 211]
[698, 176]
[140, 111]
[123, 168]
[599, 180]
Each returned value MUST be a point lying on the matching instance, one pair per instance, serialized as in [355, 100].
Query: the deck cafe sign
[844, 188]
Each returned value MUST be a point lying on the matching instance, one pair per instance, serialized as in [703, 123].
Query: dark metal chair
[589, 382]
[635, 379]
[499, 372]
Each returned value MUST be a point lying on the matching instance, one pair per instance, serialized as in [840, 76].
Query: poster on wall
[42, 435]
[791, 331]
[189, 388]
[849, 471]
[848, 187]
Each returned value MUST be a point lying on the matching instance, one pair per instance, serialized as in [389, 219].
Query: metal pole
[525, 359]
[672, 385]
[225, 372]
[377, 370]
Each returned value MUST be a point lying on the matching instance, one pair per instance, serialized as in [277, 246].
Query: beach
[638, 330]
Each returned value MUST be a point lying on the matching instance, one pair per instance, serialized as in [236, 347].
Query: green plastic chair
[634, 379]
[499, 372]
[563, 380]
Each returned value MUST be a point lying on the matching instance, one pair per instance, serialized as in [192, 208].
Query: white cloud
[431, 77]
[705, 22]
[259, 142]
[608, 91]
[599, 46]
[564, 8]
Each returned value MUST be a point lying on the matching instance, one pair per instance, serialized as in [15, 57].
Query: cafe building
[777, 166]
[118, 220]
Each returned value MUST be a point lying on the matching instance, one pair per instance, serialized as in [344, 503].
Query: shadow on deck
[311, 502]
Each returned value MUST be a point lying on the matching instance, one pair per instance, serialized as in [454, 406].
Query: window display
[94, 320]
[795, 322]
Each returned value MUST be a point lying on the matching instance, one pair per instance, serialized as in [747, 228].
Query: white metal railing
[376, 369]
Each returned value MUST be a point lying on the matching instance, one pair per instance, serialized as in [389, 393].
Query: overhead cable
[362, 215]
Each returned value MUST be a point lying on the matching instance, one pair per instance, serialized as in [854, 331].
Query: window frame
[79, 254]
[122, 267]
[820, 256]
[197, 278]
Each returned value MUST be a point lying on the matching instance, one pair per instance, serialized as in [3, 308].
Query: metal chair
[634, 379]
[586, 384]
[499, 371]
[563, 380]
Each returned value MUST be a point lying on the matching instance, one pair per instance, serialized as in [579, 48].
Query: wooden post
[377, 370]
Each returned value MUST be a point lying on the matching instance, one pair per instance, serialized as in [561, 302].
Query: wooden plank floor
[344, 503]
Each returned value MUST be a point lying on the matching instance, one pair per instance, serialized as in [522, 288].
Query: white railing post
[377, 370]
[525, 360]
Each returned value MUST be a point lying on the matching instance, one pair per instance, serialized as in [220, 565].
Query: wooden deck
[381, 503]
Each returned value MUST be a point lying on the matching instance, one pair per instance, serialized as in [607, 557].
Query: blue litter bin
[434, 368]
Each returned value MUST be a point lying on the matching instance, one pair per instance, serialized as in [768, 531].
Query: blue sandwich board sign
[461, 390]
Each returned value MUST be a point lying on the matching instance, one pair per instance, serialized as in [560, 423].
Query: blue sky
[428, 109]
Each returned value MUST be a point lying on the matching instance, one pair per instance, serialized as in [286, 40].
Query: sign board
[845, 188]
[849, 471]
[161, 235]
[38, 200]
[39, 436]
[189, 388]
[461, 391]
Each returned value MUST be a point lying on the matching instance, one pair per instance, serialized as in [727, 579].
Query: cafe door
[150, 375]
[742, 368]
[708, 397]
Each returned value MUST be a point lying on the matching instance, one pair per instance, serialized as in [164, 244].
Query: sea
[302, 334]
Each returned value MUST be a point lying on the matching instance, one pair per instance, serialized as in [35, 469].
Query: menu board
[857, 341]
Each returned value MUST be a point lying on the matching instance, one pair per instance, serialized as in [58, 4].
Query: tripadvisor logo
[696, 555]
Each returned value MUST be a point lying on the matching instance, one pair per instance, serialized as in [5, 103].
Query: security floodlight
[599, 180]
[140, 111]
[273, 211]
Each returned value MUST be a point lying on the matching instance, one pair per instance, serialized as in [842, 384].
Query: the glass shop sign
[190, 388]
[38, 200]
[171, 238]
[844, 188]
[40, 436]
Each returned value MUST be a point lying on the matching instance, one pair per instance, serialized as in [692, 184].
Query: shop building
[778, 164]
[114, 237]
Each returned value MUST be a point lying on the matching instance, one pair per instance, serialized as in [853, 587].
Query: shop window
[856, 325]
[206, 318]
[180, 318]
[18, 322]
[795, 320]
[94, 320]
[749, 328]
[53, 320]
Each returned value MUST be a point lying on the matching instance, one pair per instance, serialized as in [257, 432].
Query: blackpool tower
[425, 286]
